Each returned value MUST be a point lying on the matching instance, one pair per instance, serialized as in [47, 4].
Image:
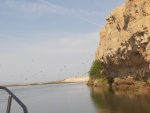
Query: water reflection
[109, 101]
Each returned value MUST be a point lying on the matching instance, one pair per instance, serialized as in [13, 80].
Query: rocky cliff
[124, 48]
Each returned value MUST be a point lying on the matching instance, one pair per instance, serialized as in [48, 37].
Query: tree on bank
[96, 70]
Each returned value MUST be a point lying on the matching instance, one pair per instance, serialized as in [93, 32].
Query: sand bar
[67, 80]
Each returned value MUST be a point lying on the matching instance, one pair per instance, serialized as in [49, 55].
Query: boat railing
[11, 95]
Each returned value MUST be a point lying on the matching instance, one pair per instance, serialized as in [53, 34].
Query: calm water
[75, 98]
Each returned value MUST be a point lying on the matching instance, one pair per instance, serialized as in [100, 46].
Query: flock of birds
[62, 72]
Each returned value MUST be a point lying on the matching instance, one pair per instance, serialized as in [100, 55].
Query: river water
[75, 98]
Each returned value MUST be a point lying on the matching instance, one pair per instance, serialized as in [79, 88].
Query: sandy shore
[77, 79]
[67, 80]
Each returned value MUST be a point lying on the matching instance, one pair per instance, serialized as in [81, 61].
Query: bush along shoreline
[97, 76]
[99, 79]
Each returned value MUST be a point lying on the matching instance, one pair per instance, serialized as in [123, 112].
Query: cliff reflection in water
[109, 101]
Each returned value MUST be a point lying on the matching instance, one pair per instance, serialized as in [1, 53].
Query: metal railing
[11, 95]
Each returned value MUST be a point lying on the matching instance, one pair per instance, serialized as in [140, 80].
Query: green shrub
[96, 70]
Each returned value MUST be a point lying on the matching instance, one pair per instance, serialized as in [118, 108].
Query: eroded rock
[124, 48]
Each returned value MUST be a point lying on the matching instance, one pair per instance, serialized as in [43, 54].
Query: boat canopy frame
[11, 95]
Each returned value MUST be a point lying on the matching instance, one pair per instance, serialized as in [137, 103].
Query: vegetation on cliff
[96, 69]
[97, 77]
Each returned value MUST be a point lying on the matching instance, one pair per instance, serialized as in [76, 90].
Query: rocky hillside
[124, 48]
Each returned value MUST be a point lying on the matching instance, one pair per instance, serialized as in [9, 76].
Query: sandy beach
[77, 79]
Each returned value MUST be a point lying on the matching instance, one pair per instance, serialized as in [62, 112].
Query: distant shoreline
[34, 84]
[67, 80]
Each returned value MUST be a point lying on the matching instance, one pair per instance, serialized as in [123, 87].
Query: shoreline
[123, 84]
[32, 84]
[81, 79]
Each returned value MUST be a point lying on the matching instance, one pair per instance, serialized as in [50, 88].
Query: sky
[49, 40]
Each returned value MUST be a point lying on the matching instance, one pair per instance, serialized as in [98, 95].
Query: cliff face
[124, 48]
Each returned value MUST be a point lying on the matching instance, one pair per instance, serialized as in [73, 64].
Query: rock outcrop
[124, 48]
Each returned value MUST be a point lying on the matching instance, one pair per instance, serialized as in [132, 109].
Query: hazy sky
[47, 40]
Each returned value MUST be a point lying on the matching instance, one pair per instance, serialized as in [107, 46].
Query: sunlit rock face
[124, 48]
